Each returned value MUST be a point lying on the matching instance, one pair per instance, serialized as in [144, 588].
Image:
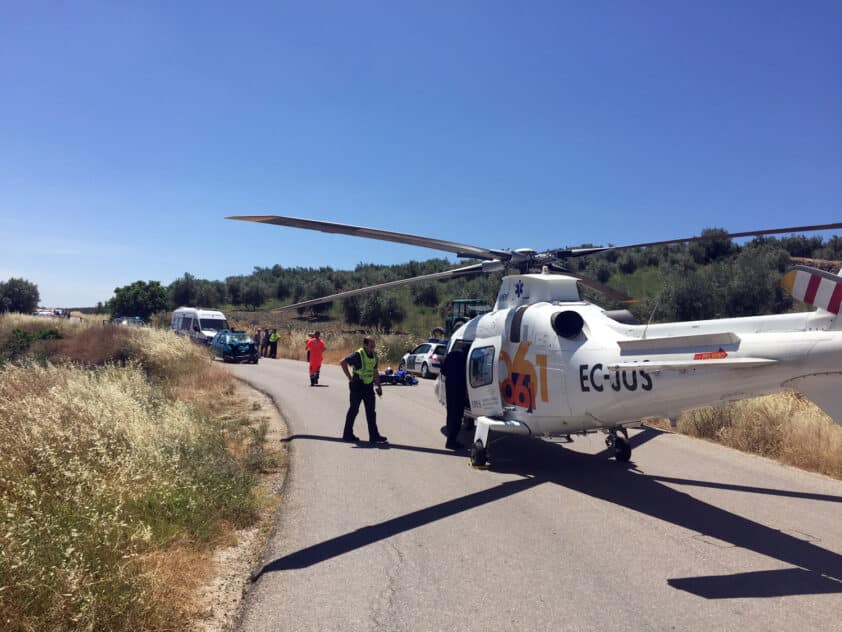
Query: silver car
[425, 359]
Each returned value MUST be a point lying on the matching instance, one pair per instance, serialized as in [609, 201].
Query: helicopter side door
[483, 369]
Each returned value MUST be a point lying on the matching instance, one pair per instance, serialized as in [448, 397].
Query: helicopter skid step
[510, 426]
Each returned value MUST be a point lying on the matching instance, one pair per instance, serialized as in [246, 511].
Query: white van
[201, 325]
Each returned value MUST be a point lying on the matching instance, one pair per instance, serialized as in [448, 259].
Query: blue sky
[128, 131]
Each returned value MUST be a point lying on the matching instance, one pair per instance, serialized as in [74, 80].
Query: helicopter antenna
[655, 309]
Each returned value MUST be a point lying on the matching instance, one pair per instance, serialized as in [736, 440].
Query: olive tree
[138, 299]
[19, 295]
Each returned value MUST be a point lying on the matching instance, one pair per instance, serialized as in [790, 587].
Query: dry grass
[161, 354]
[116, 478]
[173, 577]
[93, 345]
[785, 426]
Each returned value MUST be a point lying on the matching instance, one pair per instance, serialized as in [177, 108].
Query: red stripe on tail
[812, 288]
[835, 300]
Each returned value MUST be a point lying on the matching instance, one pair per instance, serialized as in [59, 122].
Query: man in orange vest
[315, 348]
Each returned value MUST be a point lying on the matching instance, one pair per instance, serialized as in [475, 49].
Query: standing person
[256, 338]
[273, 344]
[264, 343]
[363, 379]
[315, 348]
[455, 385]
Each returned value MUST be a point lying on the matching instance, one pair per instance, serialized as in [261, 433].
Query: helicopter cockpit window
[482, 366]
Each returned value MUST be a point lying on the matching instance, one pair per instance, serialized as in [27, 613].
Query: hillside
[708, 279]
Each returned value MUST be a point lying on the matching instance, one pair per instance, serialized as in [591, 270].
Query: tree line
[277, 286]
[713, 278]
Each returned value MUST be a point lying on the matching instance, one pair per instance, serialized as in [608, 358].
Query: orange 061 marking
[520, 386]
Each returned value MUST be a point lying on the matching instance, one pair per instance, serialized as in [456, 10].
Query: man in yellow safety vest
[360, 368]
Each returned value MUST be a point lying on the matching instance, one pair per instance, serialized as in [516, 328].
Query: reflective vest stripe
[366, 370]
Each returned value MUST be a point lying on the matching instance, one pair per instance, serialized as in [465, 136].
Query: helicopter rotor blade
[472, 270]
[610, 292]
[565, 253]
[464, 251]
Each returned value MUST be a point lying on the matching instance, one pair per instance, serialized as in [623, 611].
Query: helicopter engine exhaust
[567, 324]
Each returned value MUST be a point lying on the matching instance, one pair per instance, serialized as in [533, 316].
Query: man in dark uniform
[453, 370]
[363, 379]
[264, 343]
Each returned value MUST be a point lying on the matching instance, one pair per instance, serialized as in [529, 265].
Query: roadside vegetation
[786, 427]
[126, 458]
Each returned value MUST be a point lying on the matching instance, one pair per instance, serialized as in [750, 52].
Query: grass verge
[125, 460]
[785, 426]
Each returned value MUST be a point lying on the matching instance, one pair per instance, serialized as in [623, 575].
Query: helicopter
[547, 363]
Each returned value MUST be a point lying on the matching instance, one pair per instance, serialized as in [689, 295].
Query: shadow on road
[817, 570]
[649, 495]
[374, 533]
[777, 583]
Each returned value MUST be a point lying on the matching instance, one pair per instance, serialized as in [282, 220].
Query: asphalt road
[688, 536]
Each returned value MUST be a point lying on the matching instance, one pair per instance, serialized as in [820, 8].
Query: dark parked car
[234, 346]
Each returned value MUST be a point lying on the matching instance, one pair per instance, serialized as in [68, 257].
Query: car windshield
[238, 338]
[213, 324]
[440, 350]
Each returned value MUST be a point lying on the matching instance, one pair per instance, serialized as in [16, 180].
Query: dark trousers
[361, 393]
[273, 349]
[454, 419]
[455, 395]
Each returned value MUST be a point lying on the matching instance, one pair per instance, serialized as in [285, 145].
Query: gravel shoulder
[222, 596]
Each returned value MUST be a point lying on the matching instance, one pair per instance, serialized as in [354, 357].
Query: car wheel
[425, 371]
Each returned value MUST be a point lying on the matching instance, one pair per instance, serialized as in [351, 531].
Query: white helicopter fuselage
[547, 363]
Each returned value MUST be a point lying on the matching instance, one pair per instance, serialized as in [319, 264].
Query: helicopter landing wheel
[622, 450]
[479, 455]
